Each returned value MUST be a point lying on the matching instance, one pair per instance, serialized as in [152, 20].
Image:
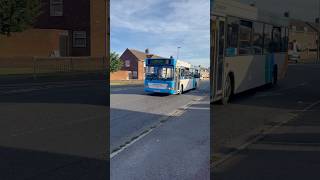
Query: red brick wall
[119, 75]
[99, 28]
[141, 70]
[76, 17]
[127, 55]
[32, 42]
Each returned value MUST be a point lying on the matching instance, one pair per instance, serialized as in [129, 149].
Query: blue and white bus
[249, 48]
[170, 76]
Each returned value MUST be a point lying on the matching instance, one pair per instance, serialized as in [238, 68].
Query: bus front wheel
[227, 91]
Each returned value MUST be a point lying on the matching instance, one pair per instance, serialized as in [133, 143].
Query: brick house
[64, 28]
[305, 34]
[133, 63]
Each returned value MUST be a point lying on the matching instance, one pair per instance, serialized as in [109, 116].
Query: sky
[306, 10]
[162, 26]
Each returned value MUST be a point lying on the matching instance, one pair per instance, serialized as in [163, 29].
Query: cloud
[162, 26]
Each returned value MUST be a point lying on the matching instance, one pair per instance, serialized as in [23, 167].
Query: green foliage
[17, 15]
[115, 62]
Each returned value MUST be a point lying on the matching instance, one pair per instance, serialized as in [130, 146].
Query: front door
[218, 47]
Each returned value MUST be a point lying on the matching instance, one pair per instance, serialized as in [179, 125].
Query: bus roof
[234, 8]
[245, 11]
[179, 63]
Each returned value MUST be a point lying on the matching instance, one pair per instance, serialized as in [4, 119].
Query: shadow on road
[91, 94]
[17, 163]
[55, 133]
[292, 150]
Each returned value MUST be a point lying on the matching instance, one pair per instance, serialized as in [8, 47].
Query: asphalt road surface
[165, 136]
[54, 130]
[281, 125]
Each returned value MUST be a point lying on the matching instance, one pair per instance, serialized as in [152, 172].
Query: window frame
[56, 8]
[127, 64]
[75, 37]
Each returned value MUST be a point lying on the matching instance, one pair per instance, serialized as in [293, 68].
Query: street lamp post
[178, 48]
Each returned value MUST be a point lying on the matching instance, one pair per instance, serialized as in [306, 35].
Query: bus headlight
[170, 88]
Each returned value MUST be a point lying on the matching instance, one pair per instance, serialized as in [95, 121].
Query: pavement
[160, 136]
[54, 130]
[277, 136]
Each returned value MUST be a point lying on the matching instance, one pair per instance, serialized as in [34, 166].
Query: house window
[127, 63]
[79, 39]
[56, 7]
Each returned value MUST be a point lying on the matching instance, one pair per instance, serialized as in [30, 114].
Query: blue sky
[162, 26]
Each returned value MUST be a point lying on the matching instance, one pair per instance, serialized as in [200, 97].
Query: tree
[17, 15]
[115, 62]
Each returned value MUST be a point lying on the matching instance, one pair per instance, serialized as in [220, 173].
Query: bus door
[218, 55]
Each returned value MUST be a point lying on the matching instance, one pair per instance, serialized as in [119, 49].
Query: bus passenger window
[245, 38]
[276, 39]
[284, 39]
[267, 39]
[257, 38]
[232, 37]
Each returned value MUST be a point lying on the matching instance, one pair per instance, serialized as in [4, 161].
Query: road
[274, 131]
[54, 130]
[159, 136]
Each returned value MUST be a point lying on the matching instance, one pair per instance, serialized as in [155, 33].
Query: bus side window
[257, 38]
[232, 37]
[182, 74]
[245, 38]
[267, 38]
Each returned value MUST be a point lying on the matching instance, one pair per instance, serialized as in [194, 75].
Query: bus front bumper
[164, 91]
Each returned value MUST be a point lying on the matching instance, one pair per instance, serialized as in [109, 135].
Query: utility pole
[178, 48]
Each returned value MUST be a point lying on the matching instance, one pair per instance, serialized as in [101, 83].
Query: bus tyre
[227, 91]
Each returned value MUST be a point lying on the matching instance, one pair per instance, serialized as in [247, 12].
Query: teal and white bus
[170, 76]
[249, 49]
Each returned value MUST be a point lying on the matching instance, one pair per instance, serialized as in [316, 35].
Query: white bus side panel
[249, 71]
[187, 84]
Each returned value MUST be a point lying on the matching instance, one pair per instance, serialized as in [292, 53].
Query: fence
[37, 66]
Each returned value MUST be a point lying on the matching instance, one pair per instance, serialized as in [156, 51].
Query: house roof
[141, 55]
